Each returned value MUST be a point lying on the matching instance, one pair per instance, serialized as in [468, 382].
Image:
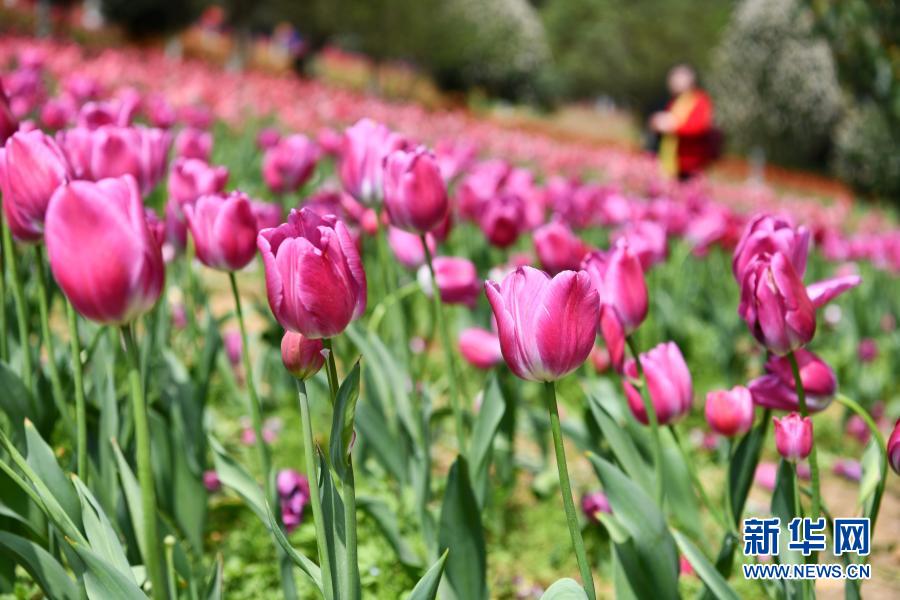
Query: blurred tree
[775, 83]
[623, 48]
[150, 17]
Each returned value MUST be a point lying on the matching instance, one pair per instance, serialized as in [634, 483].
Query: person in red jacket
[686, 126]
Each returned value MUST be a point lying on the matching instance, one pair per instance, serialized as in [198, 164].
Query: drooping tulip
[793, 436]
[767, 234]
[777, 389]
[361, 165]
[314, 276]
[32, 167]
[619, 279]
[101, 251]
[668, 384]
[194, 143]
[546, 326]
[414, 192]
[480, 347]
[290, 163]
[730, 412]
[558, 248]
[224, 230]
[457, 280]
[302, 357]
[775, 304]
[191, 178]
[893, 448]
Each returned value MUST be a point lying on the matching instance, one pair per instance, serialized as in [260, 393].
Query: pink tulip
[793, 436]
[57, 113]
[848, 469]
[867, 351]
[94, 115]
[196, 115]
[775, 305]
[32, 167]
[502, 220]
[314, 276]
[234, 346]
[302, 357]
[407, 247]
[414, 192]
[160, 112]
[766, 234]
[176, 227]
[361, 167]
[191, 178]
[482, 184]
[893, 448]
[330, 141]
[454, 157]
[823, 292]
[457, 280]
[289, 164]
[558, 248]
[668, 383]
[268, 214]
[730, 412]
[211, 481]
[224, 230]
[765, 475]
[547, 326]
[268, 137]
[294, 495]
[619, 279]
[776, 389]
[8, 122]
[593, 504]
[194, 143]
[480, 347]
[600, 358]
[101, 251]
[646, 240]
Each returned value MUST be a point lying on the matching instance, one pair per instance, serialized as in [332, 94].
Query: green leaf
[214, 587]
[387, 522]
[234, 476]
[335, 536]
[872, 467]
[308, 567]
[621, 444]
[655, 558]
[342, 422]
[43, 461]
[374, 429]
[50, 576]
[427, 587]
[103, 581]
[486, 425]
[704, 569]
[15, 400]
[564, 589]
[681, 498]
[101, 536]
[132, 491]
[743, 465]
[461, 532]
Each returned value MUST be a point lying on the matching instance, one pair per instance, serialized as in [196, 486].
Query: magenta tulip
[289, 164]
[314, 276]
[8, 122]
[194, 143]
[138, 151]
[191, 178]
[32, 167]
[558, 248]
[775, 305]
[224, 230]
[457, 280]
[668, 383]
[302, 357]
[823, 292]
[407, 247]
[594, 504]
[730, 412]
[547, 326]
[267, 137]
[234, 346]
[777, 389]
[101, 251]
[480, 347]
[893, 448]
[793, 436]
[268, 214]
[619, 279]
[414, 192]
[766, 234]
[363, 151]
[57, 113]
[502, 220]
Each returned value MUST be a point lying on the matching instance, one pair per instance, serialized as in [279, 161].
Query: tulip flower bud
[593, 504]
[289, 164]
[793, 436]
[32, 167]
[191, 178]
[361, 166]
[668, 383]
[457, 280]
[267, 137]
[224, 230]
[211, 481]
[777, 389]
[502, 220]
[414, 192]
[302, 357]
[101, 251]
[766, 234]
[558, 248]
[619, 279]
[730, 412]
[893, 448]
[775, 304]
[480, 347]
[314, 277]
[194, 143]
[546, 326]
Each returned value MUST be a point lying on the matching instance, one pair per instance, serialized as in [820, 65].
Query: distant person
[689, 141]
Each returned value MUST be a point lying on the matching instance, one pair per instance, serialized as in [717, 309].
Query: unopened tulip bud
[302, 357]
[414, 192]
[730, 412]
[793, 436]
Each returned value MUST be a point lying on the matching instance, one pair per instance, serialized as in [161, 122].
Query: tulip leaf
[704, 569]
[15, 400]
[235, 477]
[374, 429]
[132, 491]
[49, 574]
[681, 498]
[103, 581]
[871, 486]
[461, 532]
[427, 587]
[622, 445]
[43, 461]
[564, 589]
[387, 522]
[335, 534]
[486, 424]
[214, 583]
[783, 507]
[743, 465]
[650, 557]
[101, 536]
[342, 422]
[308, 567]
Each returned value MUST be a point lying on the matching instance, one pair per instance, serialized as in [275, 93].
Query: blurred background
[812, 86]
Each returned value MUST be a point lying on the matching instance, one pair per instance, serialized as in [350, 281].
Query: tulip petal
[823, 292]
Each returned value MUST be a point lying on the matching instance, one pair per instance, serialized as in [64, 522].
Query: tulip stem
[312, 473]
[80, 411]
[565, 488]
[651, 419]
[21, 317]
[882, 447]
[729, 509]
[813, 455]
[448, 353]
[144, 467]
